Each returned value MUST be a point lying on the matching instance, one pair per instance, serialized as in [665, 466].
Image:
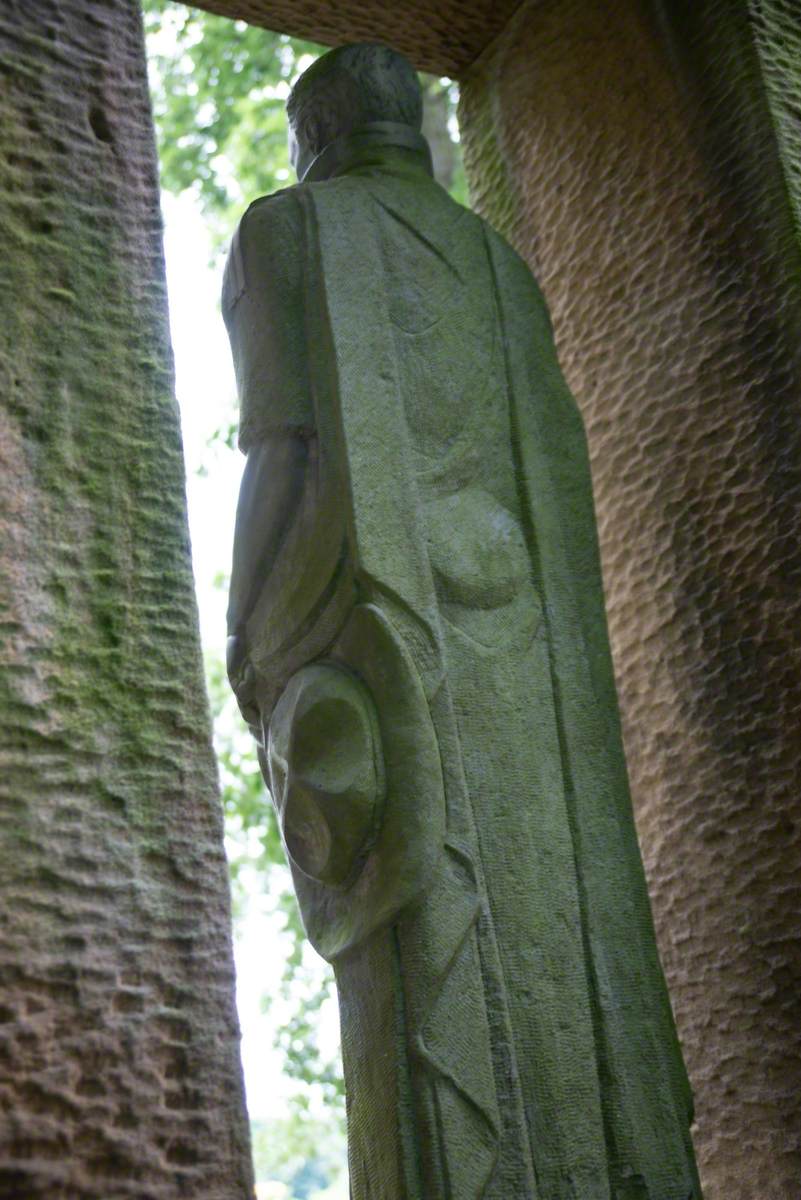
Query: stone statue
[418, 642]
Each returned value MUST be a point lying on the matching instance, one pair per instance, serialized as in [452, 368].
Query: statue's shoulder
[265, 244]
[277, 213]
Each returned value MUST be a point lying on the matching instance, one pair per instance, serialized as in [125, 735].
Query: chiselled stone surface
[443, 38]
[119, 1072]
[633, 164]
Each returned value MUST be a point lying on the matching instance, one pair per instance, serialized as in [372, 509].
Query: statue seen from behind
[418, 642]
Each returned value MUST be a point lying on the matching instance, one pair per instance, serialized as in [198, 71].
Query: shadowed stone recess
[632, 161]
[119, 1069]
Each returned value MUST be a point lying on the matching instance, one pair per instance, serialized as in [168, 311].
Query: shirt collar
[365, 145]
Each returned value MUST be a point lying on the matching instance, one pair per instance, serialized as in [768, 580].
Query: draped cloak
[506, 1026]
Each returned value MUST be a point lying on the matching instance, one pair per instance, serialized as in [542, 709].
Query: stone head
[345, 90]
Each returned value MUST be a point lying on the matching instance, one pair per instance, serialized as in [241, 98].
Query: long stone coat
[505, 1023]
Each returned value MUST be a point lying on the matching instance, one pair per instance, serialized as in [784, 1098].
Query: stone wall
[119, 1068]
[443, 36]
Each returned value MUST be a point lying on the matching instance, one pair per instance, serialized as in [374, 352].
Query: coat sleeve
[264, 312]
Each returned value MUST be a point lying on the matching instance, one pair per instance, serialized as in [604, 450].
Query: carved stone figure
[418, 642]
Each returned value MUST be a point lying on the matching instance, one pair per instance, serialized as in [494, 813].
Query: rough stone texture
[443, 38]
[119, 1071]
[632, 160]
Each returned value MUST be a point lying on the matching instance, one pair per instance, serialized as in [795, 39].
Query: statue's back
[498, 1026]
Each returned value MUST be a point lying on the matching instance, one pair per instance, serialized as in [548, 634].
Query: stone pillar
[119, 1068]
[630, 155]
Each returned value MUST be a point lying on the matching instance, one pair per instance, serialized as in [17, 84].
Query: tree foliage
[219, 89]
[255, 851]
[305, 1156]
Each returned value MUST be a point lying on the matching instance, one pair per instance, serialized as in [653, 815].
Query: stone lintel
[443, 38]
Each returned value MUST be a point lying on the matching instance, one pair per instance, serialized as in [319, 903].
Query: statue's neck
[367, 146]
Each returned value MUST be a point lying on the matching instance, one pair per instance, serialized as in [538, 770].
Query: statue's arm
[263, 308]
[269, 501]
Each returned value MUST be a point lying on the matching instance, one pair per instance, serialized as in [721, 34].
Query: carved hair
[349, 87]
